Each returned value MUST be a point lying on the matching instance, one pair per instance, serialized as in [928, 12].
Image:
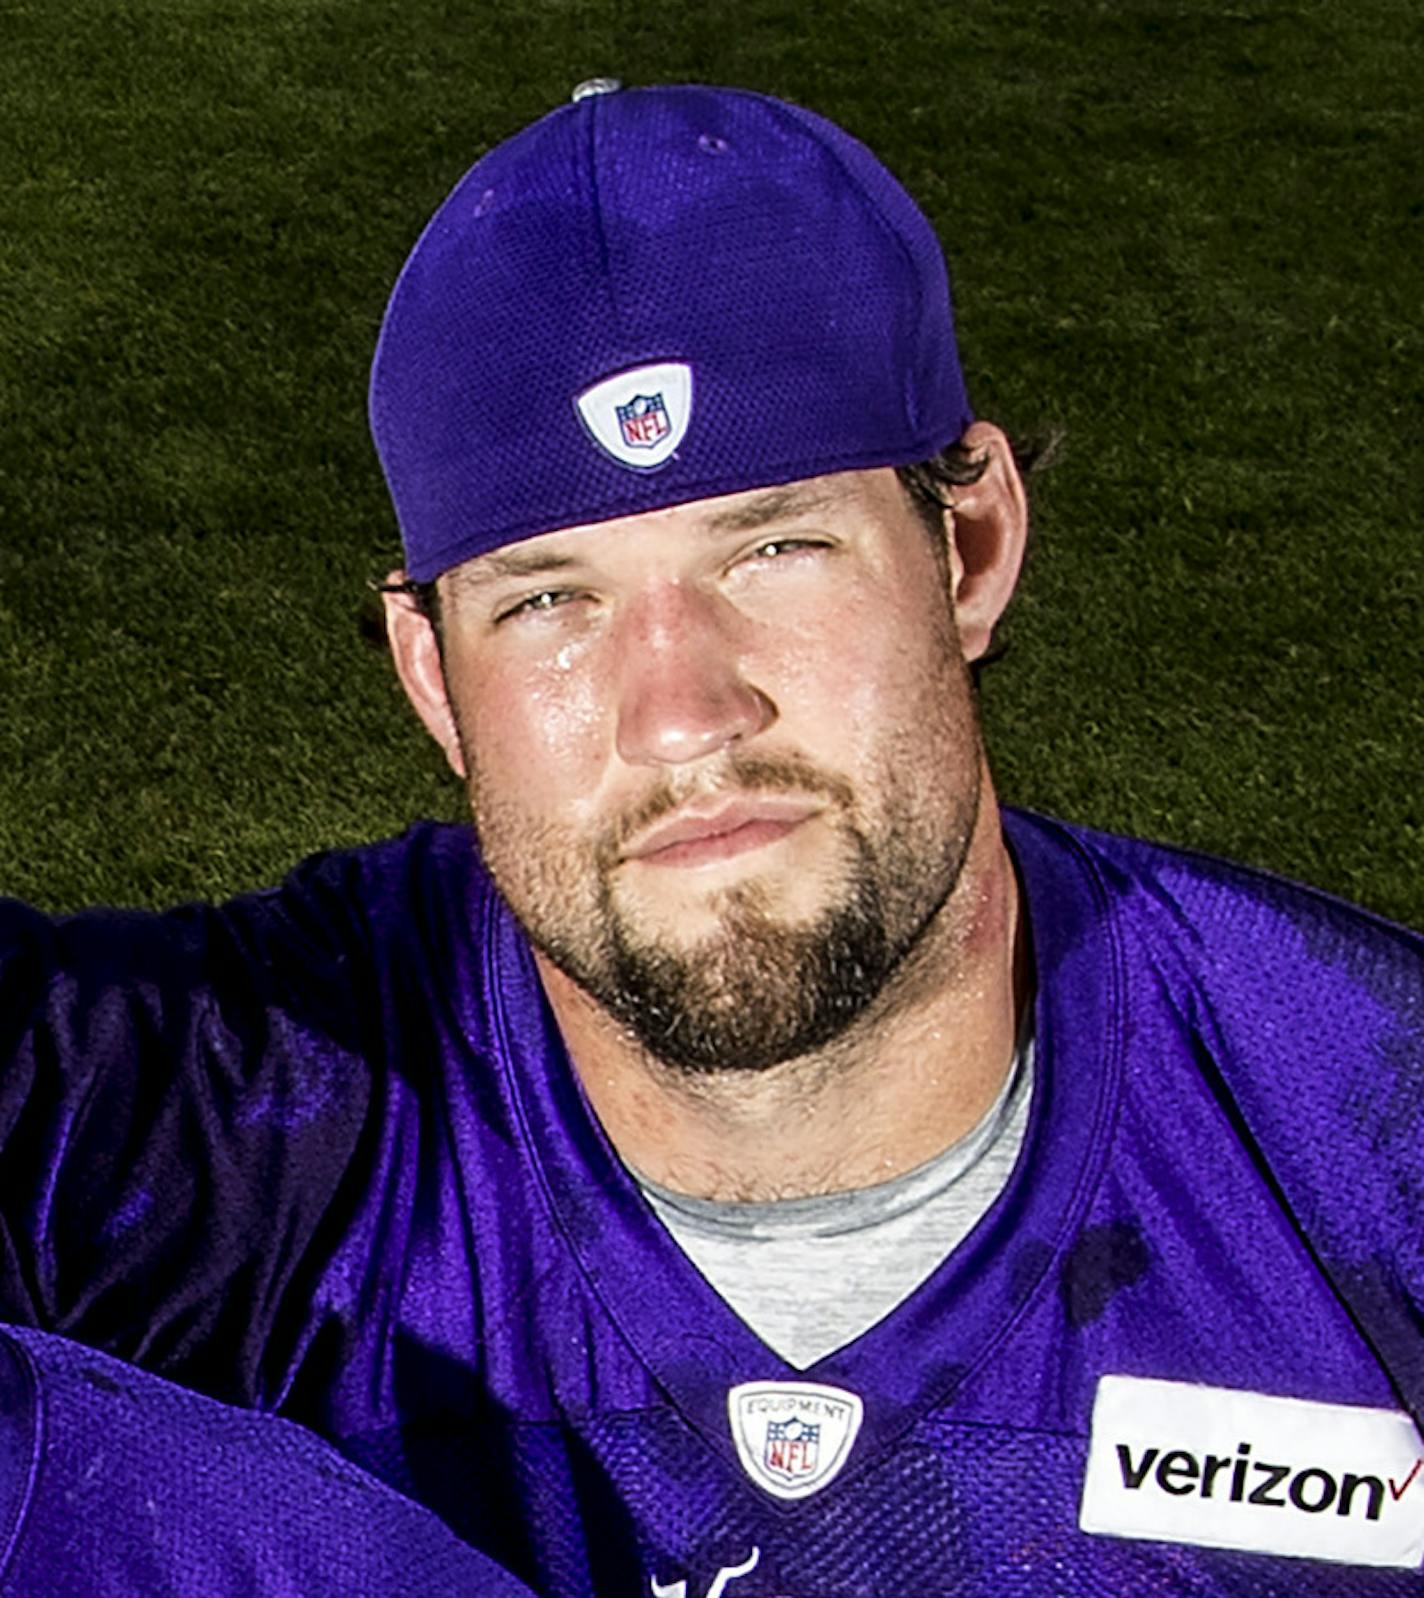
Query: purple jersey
[114, 1484]
[320, 1150]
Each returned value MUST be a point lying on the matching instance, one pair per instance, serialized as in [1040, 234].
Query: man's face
[722, 759]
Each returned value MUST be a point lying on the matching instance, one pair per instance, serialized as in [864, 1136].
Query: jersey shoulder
[312, 928]
[1240, 933]
[1305, 1014]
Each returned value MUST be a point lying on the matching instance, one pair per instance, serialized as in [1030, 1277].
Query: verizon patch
[1175, 1462]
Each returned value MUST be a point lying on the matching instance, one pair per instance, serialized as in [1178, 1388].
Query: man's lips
[711, 833]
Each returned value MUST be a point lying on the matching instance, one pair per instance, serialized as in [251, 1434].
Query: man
[762, 1163]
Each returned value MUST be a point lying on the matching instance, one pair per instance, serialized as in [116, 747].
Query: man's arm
[180, 1096]
[113, 1482]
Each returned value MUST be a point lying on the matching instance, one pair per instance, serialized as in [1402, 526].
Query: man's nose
[681, 689]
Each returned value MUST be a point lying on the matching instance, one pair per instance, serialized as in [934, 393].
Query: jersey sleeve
[114, 1483]
[181, 1098]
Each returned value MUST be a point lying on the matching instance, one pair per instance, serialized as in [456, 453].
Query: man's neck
[914, 1074]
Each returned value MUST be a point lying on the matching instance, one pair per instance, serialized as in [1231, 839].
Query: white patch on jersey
[793, 1437]
[640, 416]
[678, 1589]
[1220, 1468]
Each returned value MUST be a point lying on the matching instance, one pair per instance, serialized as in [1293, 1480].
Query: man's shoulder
[333, 912]
[382, 882]
[1305, 1010]
[1222, 912]
[413, 895]
[429, 859]
[1305, 1015]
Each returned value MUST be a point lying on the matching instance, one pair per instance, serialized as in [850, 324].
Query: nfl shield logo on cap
[645, 422]
[639, 417]
[793, 1437]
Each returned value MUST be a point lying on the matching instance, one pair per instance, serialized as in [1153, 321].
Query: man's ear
[418, 665]
[987, 534]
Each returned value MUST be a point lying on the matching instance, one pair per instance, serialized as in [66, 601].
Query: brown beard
[758, 991]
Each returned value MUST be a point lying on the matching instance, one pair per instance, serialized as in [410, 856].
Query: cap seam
[600, 231]
[799, 114]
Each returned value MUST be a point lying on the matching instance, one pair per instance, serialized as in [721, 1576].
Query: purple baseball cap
[651, 296]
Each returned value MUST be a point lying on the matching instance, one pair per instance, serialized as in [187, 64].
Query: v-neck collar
[912, 1361]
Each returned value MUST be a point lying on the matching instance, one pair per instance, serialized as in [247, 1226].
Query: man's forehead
[746, 511]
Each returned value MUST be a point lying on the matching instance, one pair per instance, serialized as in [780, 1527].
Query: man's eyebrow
[513, 562]
[778, 504]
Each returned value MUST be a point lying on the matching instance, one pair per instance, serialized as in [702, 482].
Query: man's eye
[779, 548]
[546, 599]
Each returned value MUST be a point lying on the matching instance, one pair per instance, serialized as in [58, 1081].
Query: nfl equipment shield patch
[639, 417]
[793, 1437]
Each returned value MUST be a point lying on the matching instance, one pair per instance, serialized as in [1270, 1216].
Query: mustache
[741, 774]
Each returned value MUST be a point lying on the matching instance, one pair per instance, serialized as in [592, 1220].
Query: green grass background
[1186, 236]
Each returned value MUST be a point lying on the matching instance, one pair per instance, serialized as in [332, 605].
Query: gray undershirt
[809, 1275]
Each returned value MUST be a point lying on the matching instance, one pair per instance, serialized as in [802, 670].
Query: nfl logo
[643, 421]
[793, 1449]
[793, 1437]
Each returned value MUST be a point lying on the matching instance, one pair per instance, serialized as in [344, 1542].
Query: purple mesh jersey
[320, 1151]
[114, 1484]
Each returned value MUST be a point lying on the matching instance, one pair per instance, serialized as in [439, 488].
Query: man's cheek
[517, 755]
